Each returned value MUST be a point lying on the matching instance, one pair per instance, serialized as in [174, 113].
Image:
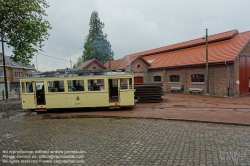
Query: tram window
[130, 83]
[76, 85]
[56, 86]
[29, 88]
[23, 87]
[39, 86]
[124, 83]
[114, 82]
[96, 85]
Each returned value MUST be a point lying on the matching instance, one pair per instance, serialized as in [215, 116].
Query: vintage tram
[74, 88]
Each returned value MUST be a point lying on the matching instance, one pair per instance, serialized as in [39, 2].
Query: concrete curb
[128, 117]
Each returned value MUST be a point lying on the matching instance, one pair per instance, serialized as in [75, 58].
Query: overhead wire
[54, 57]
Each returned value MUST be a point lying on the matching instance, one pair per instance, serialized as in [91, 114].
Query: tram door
[113, 90]
[39, 93]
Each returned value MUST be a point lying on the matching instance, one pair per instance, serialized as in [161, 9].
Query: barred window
[197, 78]
[174, 78]
[18, 74]
[157, 78]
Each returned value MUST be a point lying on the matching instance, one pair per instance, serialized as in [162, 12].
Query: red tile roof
[221, 51]
[223, 46]
[188, 44]
[85, 64]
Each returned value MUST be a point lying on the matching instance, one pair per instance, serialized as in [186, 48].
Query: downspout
[228, 78]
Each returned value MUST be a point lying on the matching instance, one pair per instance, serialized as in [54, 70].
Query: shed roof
[225, 50]
[223, 46]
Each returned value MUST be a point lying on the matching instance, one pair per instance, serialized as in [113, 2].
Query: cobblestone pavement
[185, 107]
[109, 141]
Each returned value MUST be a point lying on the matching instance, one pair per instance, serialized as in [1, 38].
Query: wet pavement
[145, 138]
[111, 141]
[178, 106]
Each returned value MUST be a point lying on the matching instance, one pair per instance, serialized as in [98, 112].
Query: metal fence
[11, 95]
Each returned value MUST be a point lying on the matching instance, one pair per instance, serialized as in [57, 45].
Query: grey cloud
[134, 26]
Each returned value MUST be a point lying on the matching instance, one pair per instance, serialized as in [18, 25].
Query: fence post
[3, 94]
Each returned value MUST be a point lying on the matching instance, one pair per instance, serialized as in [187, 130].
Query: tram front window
[28, 88]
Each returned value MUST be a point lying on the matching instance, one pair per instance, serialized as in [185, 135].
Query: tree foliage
[78, 62]
[96, 44]
[23, 27]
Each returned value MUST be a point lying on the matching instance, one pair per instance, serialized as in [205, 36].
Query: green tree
[96, 44]
[78, 63]
[22, 27]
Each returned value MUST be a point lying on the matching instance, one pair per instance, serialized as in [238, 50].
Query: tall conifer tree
[96, 44]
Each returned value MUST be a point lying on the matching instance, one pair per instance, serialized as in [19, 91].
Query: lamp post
[4, 70]
[207, 75]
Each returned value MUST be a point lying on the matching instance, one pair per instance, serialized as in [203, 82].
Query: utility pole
[4, 70]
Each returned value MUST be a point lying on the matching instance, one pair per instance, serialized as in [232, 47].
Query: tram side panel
[77, 100]
[127, 98]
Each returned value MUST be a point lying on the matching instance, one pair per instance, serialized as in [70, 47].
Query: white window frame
[1, 73]
[18, 74]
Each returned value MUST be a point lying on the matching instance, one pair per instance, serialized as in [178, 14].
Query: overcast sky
[136, 25]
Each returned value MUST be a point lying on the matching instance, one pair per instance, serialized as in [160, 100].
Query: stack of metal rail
[149, 93]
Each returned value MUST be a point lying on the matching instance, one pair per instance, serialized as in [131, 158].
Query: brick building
[14, 71]
[185, 64]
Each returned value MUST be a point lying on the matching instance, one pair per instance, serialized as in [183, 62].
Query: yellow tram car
[74, 88]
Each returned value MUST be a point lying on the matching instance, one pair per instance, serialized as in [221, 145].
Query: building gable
[139, 65]
[92, 64]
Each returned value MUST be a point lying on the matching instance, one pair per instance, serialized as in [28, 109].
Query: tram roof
[77, 73]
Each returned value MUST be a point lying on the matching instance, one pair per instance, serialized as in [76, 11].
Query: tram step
[114, 107]
[41, 109]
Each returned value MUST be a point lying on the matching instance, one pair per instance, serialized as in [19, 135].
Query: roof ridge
[185, 44]
[244, 32]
